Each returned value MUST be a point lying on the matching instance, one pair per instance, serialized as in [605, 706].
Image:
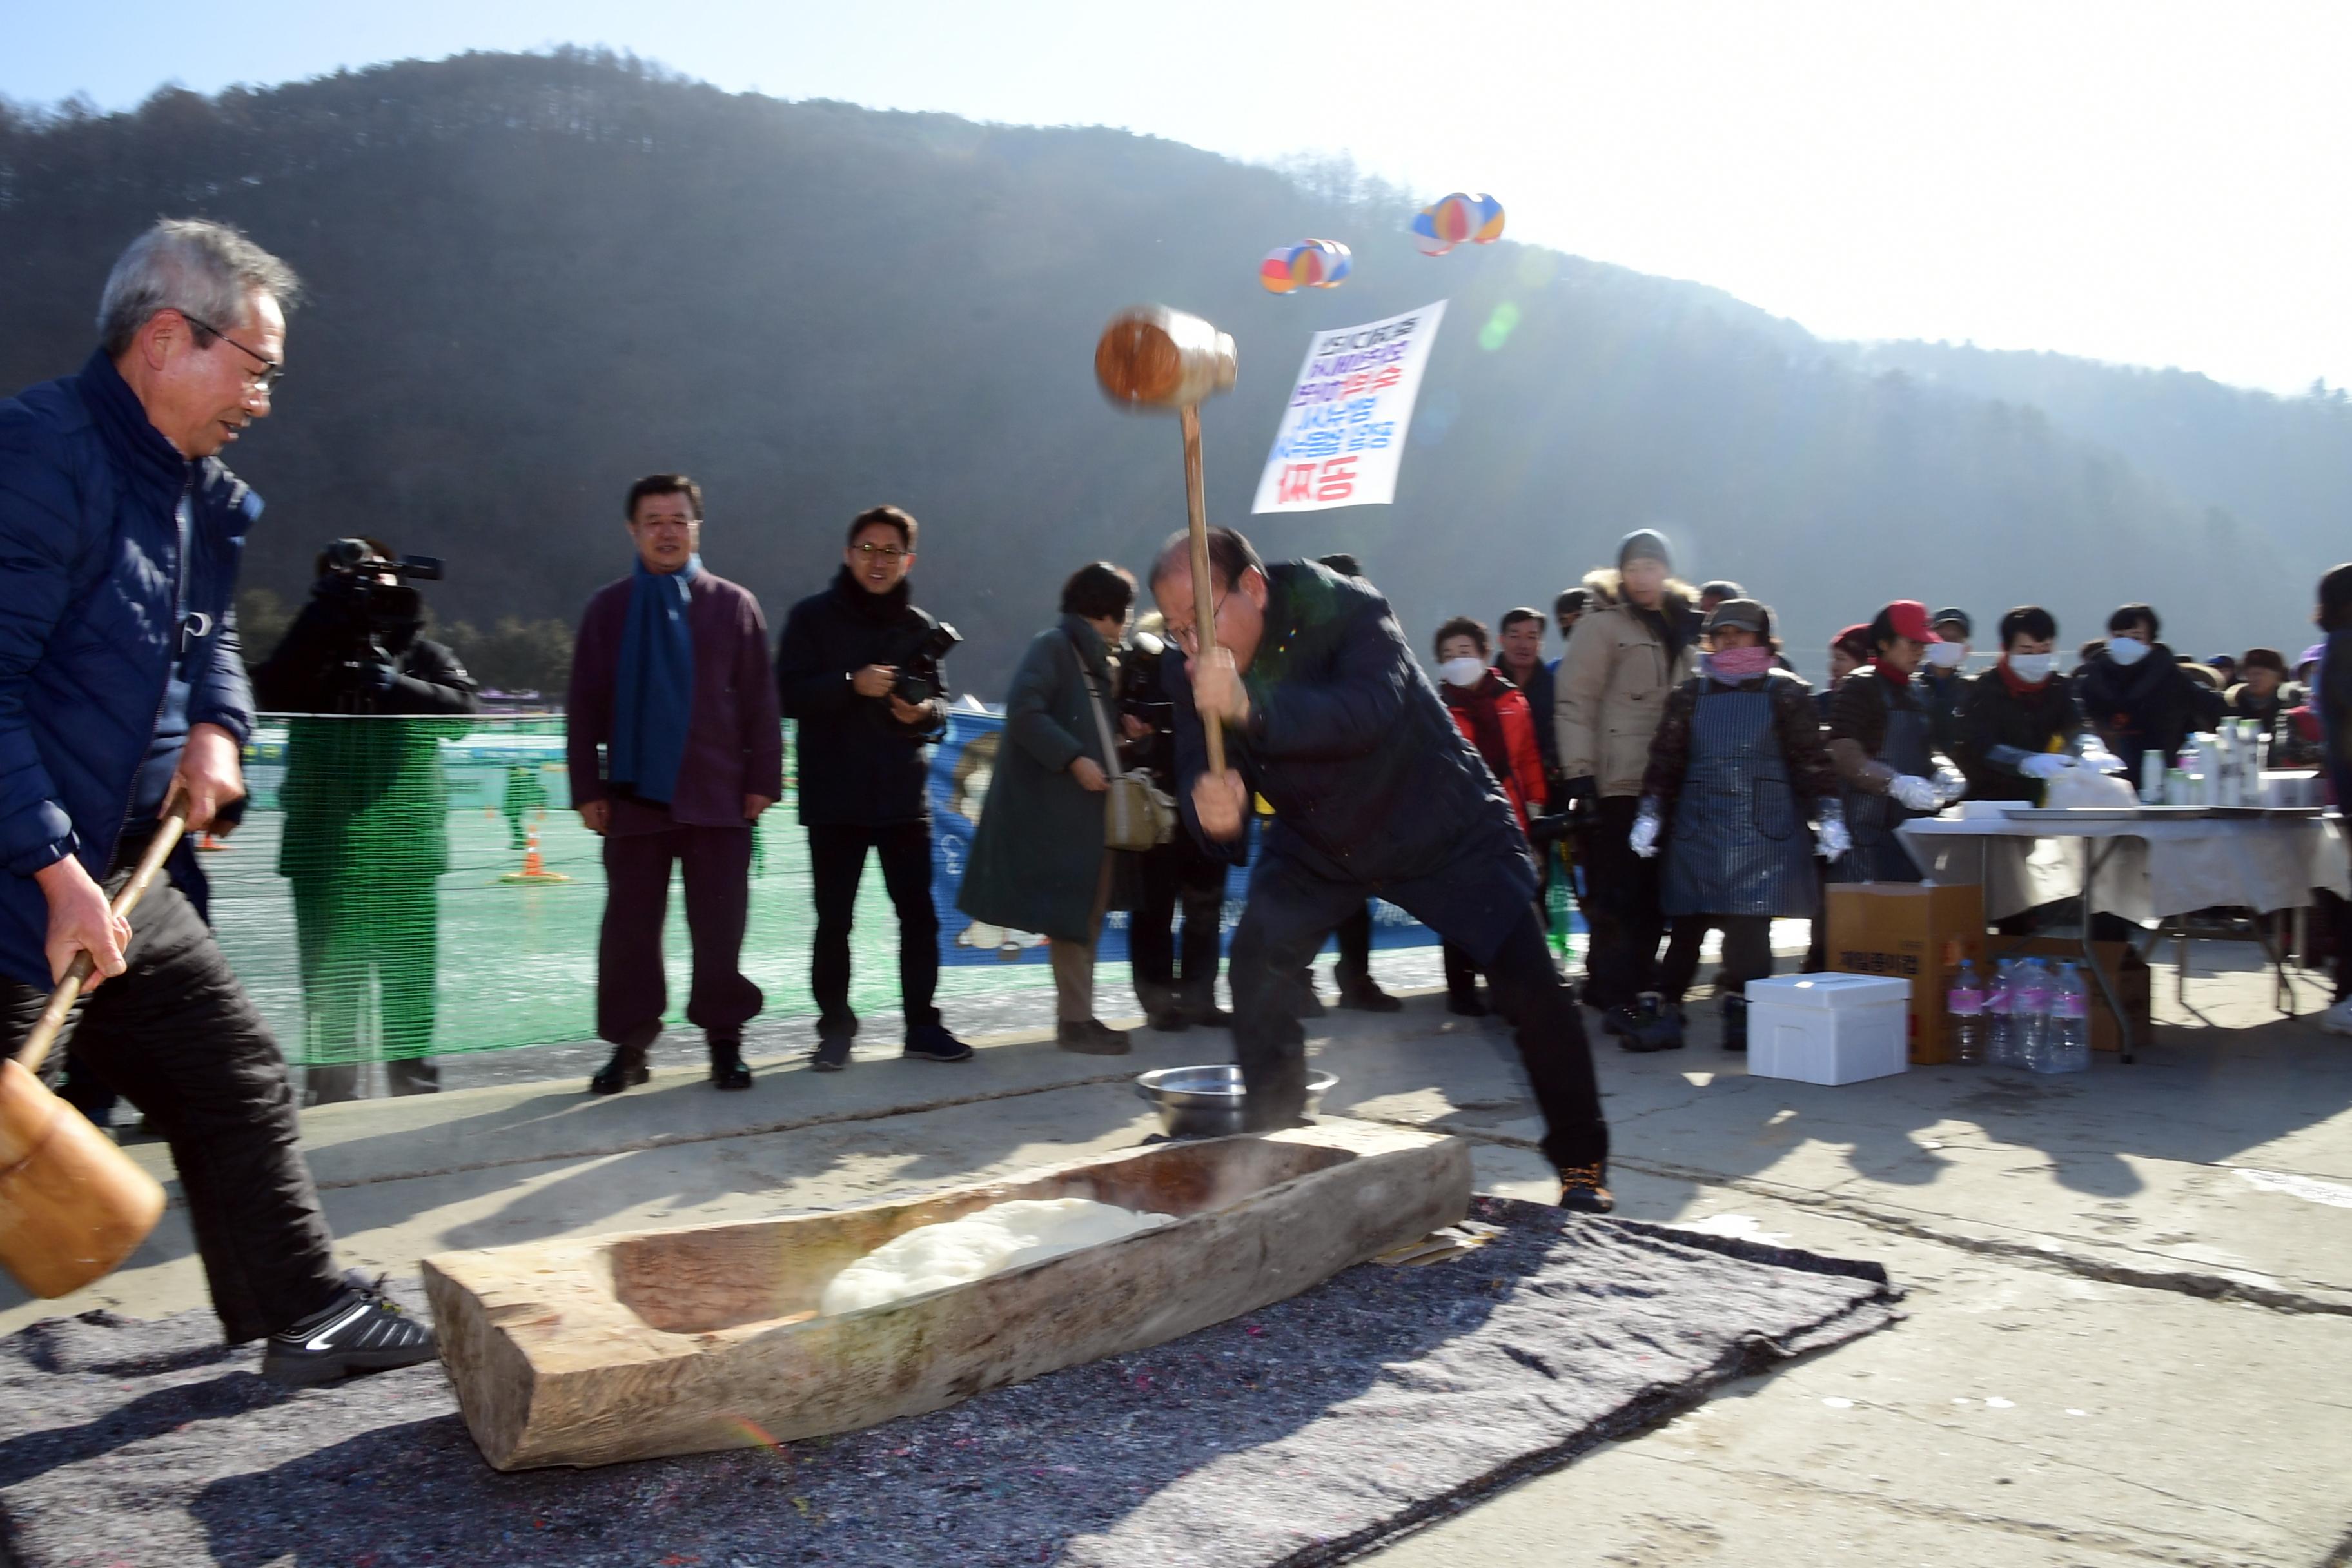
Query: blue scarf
[653, 699]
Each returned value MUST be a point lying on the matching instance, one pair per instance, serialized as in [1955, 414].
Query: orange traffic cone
[533, 869]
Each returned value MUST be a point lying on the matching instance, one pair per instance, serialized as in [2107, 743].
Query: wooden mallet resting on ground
[72, 1204]
[1151, 357]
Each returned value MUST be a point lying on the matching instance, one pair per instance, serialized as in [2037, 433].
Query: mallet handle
[1204, 599]
[53, 1017]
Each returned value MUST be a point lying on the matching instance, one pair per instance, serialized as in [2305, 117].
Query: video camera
[361, 571]
[918, 678]
[379, 618]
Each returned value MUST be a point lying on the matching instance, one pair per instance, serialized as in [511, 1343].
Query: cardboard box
[1918, 931]
[1827, 1028]
[2124, 968]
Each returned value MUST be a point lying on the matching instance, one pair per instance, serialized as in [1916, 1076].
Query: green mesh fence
[380, 899]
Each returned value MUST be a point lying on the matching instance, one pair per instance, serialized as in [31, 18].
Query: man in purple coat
[670, 683]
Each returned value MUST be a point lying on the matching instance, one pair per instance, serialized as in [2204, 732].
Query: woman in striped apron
[1737, 770]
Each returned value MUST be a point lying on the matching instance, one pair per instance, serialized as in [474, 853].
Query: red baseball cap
[1908, 618]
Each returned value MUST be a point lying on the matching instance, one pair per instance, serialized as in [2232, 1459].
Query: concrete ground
[2130, 1329]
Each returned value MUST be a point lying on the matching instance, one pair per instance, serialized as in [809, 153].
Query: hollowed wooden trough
[631, 1346]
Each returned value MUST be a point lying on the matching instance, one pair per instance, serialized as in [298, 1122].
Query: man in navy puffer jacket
[120, 683]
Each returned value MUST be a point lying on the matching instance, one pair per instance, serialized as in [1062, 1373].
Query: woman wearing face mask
[1882, 740]
[1494, 717]
[2019, 724]
[2134, 693]
[1737, 768]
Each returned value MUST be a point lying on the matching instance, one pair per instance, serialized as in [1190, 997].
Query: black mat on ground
[1297, 1434]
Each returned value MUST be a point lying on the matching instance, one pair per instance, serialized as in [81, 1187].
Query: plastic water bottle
[2068, 1048]
[2030, 1013]
[2000, 1017]
[1964, 1016]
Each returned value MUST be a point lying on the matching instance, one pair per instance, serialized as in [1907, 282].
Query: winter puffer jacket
[1609, 692]
[92, 579]
[1508, 747]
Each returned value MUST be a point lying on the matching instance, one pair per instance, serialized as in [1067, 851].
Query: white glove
[1916, 794]
[1950, 785]
[1830, 840]
[1644, 836]
[2045, 765]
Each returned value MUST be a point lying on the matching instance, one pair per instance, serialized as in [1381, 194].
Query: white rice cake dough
[1001, 1237]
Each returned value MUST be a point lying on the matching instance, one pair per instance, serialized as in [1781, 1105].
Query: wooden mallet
[72, 1204]
[1154, 358]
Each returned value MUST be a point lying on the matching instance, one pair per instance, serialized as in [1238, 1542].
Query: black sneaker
[1657, 1026]
[363, 1330]
[1461, 1004]
[1366, 996]
[1582, 1190]
[933, 1042]
[1622, 1022]
[1092, 1038]
[832, 1053]
[1168, 1021]
[1209, 1017]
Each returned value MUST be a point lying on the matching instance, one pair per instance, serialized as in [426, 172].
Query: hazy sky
[2149, 183]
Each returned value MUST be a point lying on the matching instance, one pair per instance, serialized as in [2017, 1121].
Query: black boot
[727, 1069]
[1735, 1023]
[625, 1070]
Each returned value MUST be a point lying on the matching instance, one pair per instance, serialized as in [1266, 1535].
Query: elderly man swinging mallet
[1303, 682]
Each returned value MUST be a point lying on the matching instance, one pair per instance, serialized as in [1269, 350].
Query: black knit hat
[1645, 544]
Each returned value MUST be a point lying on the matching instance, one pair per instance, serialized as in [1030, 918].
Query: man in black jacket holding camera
[858, 669]
[1326, 714]
[366, 832]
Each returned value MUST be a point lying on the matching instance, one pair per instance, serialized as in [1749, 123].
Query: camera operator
[367, 807]
[1177, 874]
[858, 669]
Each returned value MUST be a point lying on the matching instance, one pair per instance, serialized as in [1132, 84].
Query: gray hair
[193, 265]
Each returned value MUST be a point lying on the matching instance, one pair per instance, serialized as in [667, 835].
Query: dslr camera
[919, 677]
[1139, 683]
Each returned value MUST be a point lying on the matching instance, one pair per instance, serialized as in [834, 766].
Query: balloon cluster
[1458, 219]
[1309, 263]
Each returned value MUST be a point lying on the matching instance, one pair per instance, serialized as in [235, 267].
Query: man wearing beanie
[1608, 695]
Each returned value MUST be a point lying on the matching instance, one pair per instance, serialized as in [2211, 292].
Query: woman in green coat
[1038, 857]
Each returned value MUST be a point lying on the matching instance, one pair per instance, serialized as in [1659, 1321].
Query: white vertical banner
[1343, 434]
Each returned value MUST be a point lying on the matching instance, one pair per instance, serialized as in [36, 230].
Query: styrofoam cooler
[1827, 1028]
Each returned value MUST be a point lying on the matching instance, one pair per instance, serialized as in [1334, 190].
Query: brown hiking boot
[1581, 1190]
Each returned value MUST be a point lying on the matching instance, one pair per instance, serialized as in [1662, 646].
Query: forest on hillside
[534, 277]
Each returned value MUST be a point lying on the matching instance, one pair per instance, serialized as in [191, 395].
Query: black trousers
[1462, 975]
[1621, 904]
[836, 863]
[1290, 909]
[1177, 876]
[176, 1036]
[1747, 953]
[1355, 937]
[632, 981]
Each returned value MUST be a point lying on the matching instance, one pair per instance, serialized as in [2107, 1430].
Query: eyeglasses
[267, 378]
[884, 551]
[1189, 638]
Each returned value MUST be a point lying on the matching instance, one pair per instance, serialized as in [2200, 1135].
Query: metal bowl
[1206, 1101]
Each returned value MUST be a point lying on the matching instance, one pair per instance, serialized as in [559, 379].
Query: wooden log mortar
[595, 1350]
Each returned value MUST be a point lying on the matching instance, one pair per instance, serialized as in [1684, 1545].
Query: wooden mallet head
[1151, 357]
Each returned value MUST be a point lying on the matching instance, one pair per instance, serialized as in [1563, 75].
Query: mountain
[536, 277]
